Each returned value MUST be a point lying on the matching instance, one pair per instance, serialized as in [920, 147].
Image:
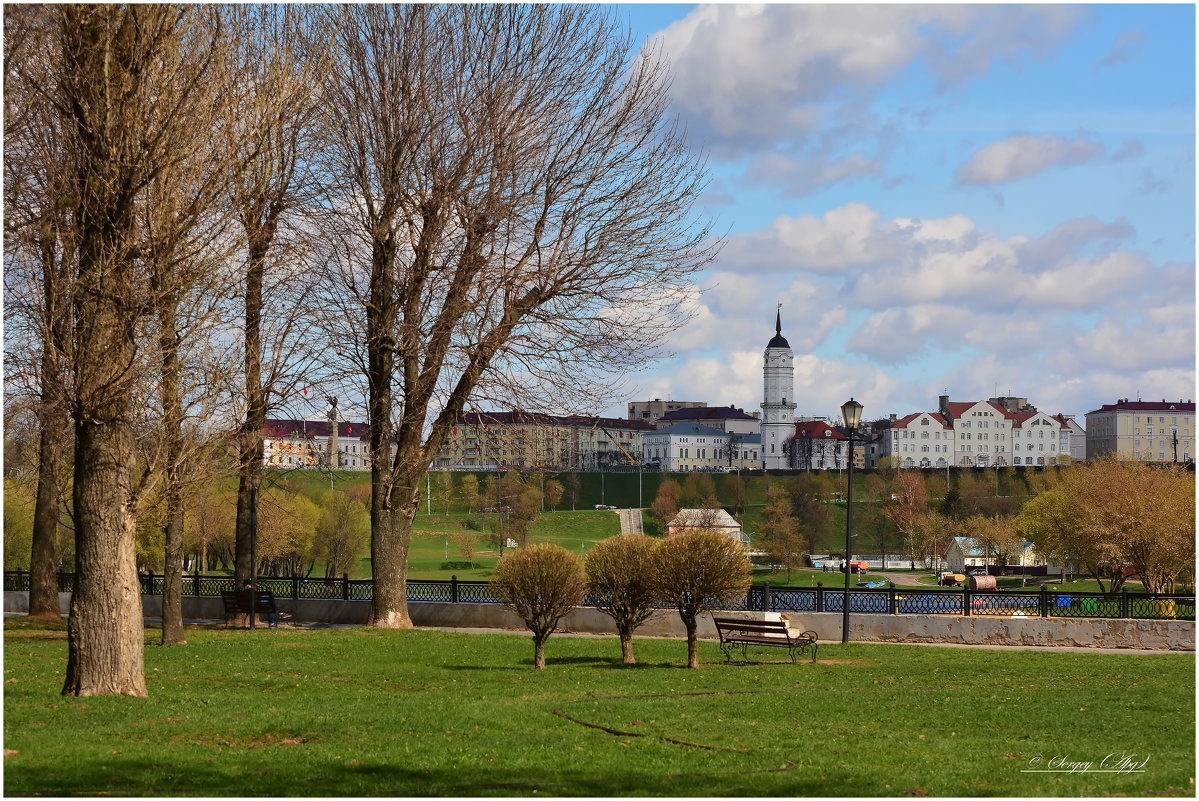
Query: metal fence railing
[763, 598]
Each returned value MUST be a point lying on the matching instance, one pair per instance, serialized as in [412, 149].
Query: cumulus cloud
[846, 236]
[749, 74]
[736, 310]
[903, 335]
[1024, 156]
[821, 385]
[877, 264]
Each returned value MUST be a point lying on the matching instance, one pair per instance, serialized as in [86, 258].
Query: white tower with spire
[778, 398]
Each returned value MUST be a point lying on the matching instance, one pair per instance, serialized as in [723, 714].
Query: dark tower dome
[777, 341]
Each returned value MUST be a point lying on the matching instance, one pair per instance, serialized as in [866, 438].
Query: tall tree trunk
[52, 436]
[43, 562]
[172, 580]
[105, 630]
[105, 637]
[250, 439]
[626, 648]
[391, 530]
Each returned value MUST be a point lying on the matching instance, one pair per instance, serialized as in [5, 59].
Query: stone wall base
[1159, 635]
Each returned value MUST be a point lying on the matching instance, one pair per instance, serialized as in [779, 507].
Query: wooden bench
[735, 631]
[237, 604]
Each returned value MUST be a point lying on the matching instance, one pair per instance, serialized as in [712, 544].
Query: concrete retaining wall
[1162, 635]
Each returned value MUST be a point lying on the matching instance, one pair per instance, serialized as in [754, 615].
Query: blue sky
[969, 198]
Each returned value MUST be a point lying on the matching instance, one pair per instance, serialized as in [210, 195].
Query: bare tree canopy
[513, 213]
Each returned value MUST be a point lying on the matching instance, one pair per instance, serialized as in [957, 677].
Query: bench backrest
[775, 627]
[237, 600]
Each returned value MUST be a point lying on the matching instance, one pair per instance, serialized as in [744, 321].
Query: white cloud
[737, 310]
[842, 237]
[1024, 156]
[752, 73]
[910, 261]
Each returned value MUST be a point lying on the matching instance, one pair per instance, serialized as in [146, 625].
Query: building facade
[778, 398]
[998, 432]
[690, 447]
[653, 410]
[816, 445]
[1151, 431]
[315, 445]
[707, 520]
[519, 440]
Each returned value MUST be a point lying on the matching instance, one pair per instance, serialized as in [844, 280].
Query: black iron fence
[761, 598]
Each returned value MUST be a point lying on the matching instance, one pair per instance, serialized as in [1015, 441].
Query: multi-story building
[818, 446]
[654, 410]
[993, 433]
[1153, 431]
[312, 444]
[528, 440]
[687, 447]
[725, 418]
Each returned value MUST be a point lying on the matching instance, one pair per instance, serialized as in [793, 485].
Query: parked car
[602, 507]
[978, 573]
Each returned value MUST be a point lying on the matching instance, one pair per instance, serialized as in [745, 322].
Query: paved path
[630, 521]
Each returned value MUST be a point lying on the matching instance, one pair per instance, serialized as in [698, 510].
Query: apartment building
[1152, 431]
[997, 432]
[690, 447]
[315, 445]
[653, 410]
[519, 440]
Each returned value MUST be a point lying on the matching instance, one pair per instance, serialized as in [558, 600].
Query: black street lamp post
[851, 412]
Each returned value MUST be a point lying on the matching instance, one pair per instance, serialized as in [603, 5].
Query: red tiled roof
[537, 418]
[1146, 406]
[817, 430]
[277, 429]
[707, 413]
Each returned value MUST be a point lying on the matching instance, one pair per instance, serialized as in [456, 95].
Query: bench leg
[724, 646]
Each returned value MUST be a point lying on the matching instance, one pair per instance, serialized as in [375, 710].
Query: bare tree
[270, 128]
[514, 215]
[38, 274]
[541, 583]
[622, 575]
[121, 86]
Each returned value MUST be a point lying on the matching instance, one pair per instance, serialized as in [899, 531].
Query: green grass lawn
[342, 712]
[433, 546]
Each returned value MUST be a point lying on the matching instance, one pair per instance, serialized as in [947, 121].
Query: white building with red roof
[817, 446]
[990, 433]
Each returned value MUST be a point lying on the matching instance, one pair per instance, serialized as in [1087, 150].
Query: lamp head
[851, 411]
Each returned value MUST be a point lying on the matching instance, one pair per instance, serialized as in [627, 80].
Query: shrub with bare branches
[541, 583]
[623, 579]
[701, 570]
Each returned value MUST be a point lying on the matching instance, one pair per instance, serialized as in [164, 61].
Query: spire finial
[778, 320]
